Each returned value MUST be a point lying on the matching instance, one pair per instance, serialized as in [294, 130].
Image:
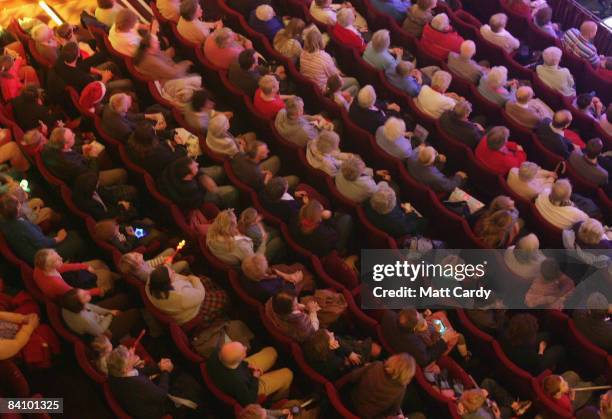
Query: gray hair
[498, 22]
[394, 128]
[440, 22]
[218, 125]
[327, 141]
[294, 105]
[498, 76]
[441, 80]
[366, 96]
[345, 17]
[591, 231]
[381, 40]
[467, 48]
[383, 200]
[552, 56]
[352, 168]
[117, 361]
[222, 36]
[527, 171]
[560, 192]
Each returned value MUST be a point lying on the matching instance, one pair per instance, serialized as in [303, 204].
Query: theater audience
[498, 154]
[550, 288]
[393, 138]
[248, 378]
[587, 235]
[150, 152]
[367, 112]
[440, 38]
[355, 181]
[123, 35]
[199, 111]
[592, 321]
[525, 110]
[528, 180]
[494, 86]
[223, 46]
[462, 64]
[418, 15]
[405, 77]
[434, 100]
[288, 41]
[524, 258]
[324, 153]
[294, 126]
[495, 32]
[106, 12]
[555, 205]
[377, 52]
[120, 122]
[457, 124]
[346, 33]
[30, 110]
[325, 12]
[580, 42]
[422, 168]
[267, 100]
[191, 24]
[552, 136]
[555, 77]
[264, 20]
[586, 165]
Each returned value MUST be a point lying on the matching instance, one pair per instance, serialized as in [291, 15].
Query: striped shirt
[573, 41]
[317, 66]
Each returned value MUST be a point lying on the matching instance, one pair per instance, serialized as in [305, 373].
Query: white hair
[384, 199]
[440, 22]
[498, 76]
[468, 48]
[264, 12]
[394, 128]
[381, 40]
[366, 96]
[441, 80]
[345, 17]
[552, 56]
[218, 125]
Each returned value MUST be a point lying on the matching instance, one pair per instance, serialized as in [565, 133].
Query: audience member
[223, 46]
[245, 72]
[123, 35]
[592, 323]
[462, 64]
[367, 112]
[580, 42]
[119, 122]
[542, 19]
[287, 41]
[605, 122]
[552, 136]
[31, 112]
[377, 52]
[434, 100]
[355, 181]
[276, 199]
[493, 86]
[440, 38]
[324, 153]
[525, 110]
[191, 24]
[587, 235]
[221, 141]
[524, 258]
[267, 100]
[528, 180]
[100, 202]
[15, 74]
[418, 15]
[333, 91]
[45, 42]
[298, 321]
[264, 20]
[169, 9]
[457, 124]
[396, 9]
[405, 77]
[106, 12]
[346, 33]
[555, 77]
[294, 126]
[586, 164]
[499, 225]
[589, 105]
[393, 138]
[17, 328]
[495, 32]
[150, 152]
[555, 206]
[550, 288]
[422, 168]
[498, 154]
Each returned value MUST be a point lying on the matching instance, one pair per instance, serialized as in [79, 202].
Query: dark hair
[317, 346]
[252, 147]
[593, 148]
[583, 100]
[71, 302]
[275, 188]
[85, 184]
[181, 166]
[550, 269]
[9, 207]
[543, 16]
[69, 52]
[334, 83]
[143, 47]
[282, 303]
[106, 4]
[407, 319]
[159, 282]
[188, 9]
[143, 140]
[246, 58]
[199, 99]
[522, 330]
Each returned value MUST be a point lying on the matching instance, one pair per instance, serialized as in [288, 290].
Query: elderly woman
[392, 138]
[324, 153]
[498, 154]
[355, 181]
[45, 43]
[555, 77]
[264, 20]
[495, 32]
[223, 46]
[529, 179]
[287, 41]
[377, 52]
[296, 127]
[326, 12]
[267, 101]
[317, 65]
[462, 63]
[384, 213]
[366, 112]
[555, 206]
[191, 24]
[220, 140]
[433, 100]
[524, 258]
[440, 38]
[493, 86]
[345, 31]
[542, 19]
[418, 16]
[589, 234]
[123, 35]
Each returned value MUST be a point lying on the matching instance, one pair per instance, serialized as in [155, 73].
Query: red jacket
[349, 38]
[55, 286]
[439, 44]
[500, 161]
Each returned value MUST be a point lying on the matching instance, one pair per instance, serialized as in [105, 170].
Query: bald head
[588, 29]
[467, 49]
[232, 354]
[524, 94]
[562, 119]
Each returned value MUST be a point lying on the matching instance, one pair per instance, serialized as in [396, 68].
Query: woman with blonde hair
[287, 41]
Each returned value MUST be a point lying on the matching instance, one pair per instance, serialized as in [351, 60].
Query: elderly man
[456, 123]
[295, 127]
[191, 26]
[393, 138]
[254, 168]
[495, 32]
[529, 179]
[551, 133]
[140, 396]
[580, 42]
[555, 77]
[119, 122]
[556, 207]
[527, 111]
[246, 378]
[405, 77]
[462, 63]
[498, 154]
[366, 112]
[422, 168]
[587, 165]
[345, 31]
[432, 100]
[493, 86]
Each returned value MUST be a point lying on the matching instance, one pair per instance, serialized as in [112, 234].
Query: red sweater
[439, 44]
[267, 109]
[54, 286]
[500, 161]
[349, 38]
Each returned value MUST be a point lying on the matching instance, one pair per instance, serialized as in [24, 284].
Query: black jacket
[466, 131]
[554, 142]
[187, 194]
[139, 396]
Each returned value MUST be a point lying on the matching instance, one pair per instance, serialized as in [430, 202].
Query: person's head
[440, 22]
[426, 4]
[381, 40]
[269, 85]
[74, 300]
[528, 171]
[190, 10]
[232, 354]
[65, 32]
[9, 207]
[352, 168]
[366, 97]
[526, 249]
[69, 53]
[102, 345]
[264, 12]
[225, 225]
[588, 30]
[394, 129]
[284, 303]
[383, 200]
[248, 217]
[327, 142]
[106, 230]
[34, 138]
[400, 368]
[404, 68]
[584, 100]
[201, 101]
[497, 137]
[255, 267]
[295, 27]
[47, 259]
[411, 321]
[498, 22]
[501, 202]
[550, 270]
[252, 411]
[313, 41]
[345, 17]
[554, 386]
[522, 329]
[497, 77]
[160, 282]
[597, 306]
[219, 125]
[543, 16]
[276, 188]
[311, 214]
[120, 102]
[320, 345]
[562, 119]
[467, 49]
[186, 168]
[334, 83]
[591, 231]
[593, 148]
[131, 263]
[257, 150]
[42, 33]
[223, 37]
[121, 361]
[426, 156]
[524, 94]
[472, 399]
[496, 228]
[125, 20]
[552, 56]
[105, 4]
[560, 192]
[61, 138]
[247, 59]
[294, 107]
[441, 80]
[149, 44]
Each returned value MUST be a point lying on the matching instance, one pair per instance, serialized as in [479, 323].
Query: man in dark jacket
[551, 133]
[244, 73]
[254, 168]
[29, 110]
[367, 112]
[456, 123]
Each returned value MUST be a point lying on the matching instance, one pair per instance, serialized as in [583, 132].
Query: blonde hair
[327, 141]
[313, 41]
[400, 368]
[345, 17]
[255, 267]
[40, 258]
[267, 84]
[527, 171]
[394, 128]
[57, 139]
[591, 231]
[223, 228]
[441, 80]
[440, 22]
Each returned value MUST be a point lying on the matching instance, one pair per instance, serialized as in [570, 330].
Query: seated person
[220, 140]
[550, 288]
[264, 20]
[462, 63]
[119, 122]
[127, 237]
[495, 32]
[456, 123]
[434, 101]
[191, 24]
[333, 91]
[557, 78]
[324, 11]
[525, 110]
[422, 168]
[524, 258]
[45, 42]
[345, 31]
[275, 198]
[580, 42]
[223, 46]
[396, 9]
[355, 181]
[107, 11]
[245, 72]
[587, 235]
[498, 154]
[377, 52]
[186, 297]
[267, 100]
[605, 121]
[440, 38]
[552, 133]
[494, 86]
[297, 128]
[150, 152]
[169, 9]
[298, 321]
[590, 105]
[405, 77]
[586, 164]
[17, 329]
[287, 41]
[498, 225]
[418, 15]
[131, 384]
[367, 113]
[32, 208]
[396, 220]
[29, 110]
[324, 153]
[123, 35]
[332, 356]
[543, 20]
[393, 138]
[248, 378]
[529, 179]
[555, 206]
[15, 74]
[592, 323]
[490, 400]
[199, 112]
[560, 391]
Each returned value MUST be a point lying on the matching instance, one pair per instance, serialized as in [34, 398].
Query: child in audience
[126, 237]
[102, 346]
[250, 224]
[560, 388]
